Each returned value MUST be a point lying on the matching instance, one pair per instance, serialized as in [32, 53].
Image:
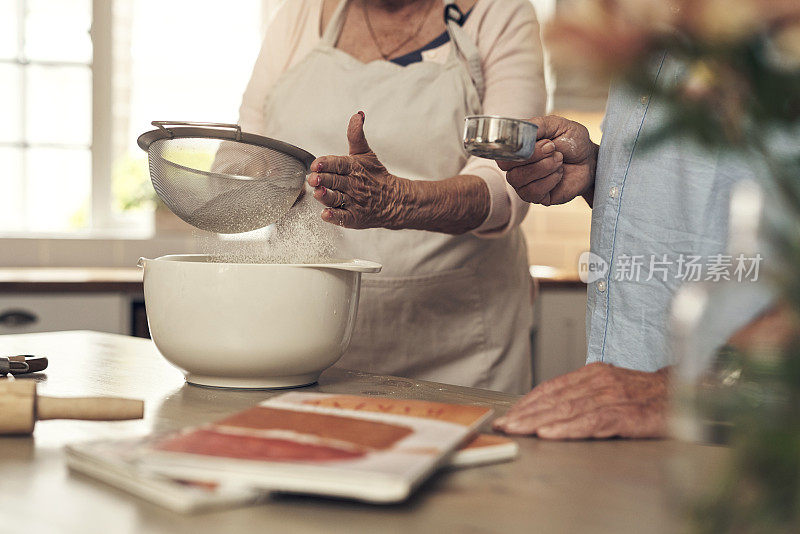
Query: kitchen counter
[129, 279]
[599, 486]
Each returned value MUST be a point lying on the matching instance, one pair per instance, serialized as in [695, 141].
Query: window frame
[101, 33]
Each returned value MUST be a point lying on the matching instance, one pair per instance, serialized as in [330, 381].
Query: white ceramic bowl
[251, 325]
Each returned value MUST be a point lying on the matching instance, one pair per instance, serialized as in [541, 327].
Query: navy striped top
[416, 56]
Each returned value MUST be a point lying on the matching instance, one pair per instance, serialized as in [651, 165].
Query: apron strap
[334, 29]
[453, 19]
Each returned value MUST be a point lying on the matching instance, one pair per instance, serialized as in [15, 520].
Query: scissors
[22, 364]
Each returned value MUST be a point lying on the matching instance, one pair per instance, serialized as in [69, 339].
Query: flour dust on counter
[301, 236]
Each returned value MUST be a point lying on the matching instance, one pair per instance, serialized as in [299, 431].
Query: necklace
[387, 55]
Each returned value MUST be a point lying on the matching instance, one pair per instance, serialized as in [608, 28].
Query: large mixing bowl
[251, 325]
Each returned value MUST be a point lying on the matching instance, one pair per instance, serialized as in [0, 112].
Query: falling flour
[301, 236]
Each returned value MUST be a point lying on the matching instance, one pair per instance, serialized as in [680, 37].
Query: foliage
[79, 219]
[130, 184]
[130, 177]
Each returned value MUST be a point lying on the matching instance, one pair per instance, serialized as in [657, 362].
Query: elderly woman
[451, 303]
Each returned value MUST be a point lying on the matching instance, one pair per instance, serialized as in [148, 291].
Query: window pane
[59, 185]
[11, 215]
[8, 29]
[59, 106]
[10, 112]
[58, 30]
[204, 84]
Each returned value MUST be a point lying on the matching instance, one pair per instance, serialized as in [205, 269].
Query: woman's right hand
[562, 166]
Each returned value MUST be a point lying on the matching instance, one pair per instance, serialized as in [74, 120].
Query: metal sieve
[220, 179]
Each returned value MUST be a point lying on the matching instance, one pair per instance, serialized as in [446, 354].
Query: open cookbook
[366, 448]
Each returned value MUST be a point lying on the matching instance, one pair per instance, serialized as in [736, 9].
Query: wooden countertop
[590, 486]
[129, 280]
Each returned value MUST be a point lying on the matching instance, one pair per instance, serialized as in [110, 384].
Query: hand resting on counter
[603, 401]
[596, 401]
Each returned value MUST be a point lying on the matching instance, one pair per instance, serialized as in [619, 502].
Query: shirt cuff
[499, 207]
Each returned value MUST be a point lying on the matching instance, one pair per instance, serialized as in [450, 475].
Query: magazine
[366, 448]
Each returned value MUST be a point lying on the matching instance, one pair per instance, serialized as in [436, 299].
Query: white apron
[453, 309]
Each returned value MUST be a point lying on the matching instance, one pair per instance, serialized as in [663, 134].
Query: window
[45, 114]
[81, 79]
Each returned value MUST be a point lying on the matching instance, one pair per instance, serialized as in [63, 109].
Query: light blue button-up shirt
[660, 218]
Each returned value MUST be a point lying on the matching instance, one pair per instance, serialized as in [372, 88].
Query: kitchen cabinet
[28, 313]
[50, 299]
[559, 334]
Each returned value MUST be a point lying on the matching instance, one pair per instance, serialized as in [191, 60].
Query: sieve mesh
[224, 187]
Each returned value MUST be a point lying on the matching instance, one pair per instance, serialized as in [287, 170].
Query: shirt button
[644, 99]
[601, 286]
[614, 192]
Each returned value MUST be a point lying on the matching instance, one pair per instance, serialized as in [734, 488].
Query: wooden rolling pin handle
[91, 409]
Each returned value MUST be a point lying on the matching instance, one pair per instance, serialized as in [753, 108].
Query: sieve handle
[219, 125]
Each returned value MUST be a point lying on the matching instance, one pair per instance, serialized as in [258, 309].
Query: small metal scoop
[499, 138]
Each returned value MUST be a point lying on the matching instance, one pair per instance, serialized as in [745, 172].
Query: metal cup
[499, 138]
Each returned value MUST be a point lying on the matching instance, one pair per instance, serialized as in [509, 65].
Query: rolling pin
[21, 407]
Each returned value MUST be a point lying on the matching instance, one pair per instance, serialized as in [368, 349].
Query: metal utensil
[22, 364]
[499, 138]
[10, 366]
[220, 179]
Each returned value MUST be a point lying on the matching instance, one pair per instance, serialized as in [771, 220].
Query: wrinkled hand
[357, 189]
[596, 401]
[562, 166]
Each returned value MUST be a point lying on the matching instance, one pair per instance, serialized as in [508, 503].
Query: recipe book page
[115, 462]
[365, 448]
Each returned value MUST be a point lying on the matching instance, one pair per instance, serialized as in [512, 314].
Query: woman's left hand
[357, 189]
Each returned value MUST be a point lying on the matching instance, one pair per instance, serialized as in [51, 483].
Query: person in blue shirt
[659, 219]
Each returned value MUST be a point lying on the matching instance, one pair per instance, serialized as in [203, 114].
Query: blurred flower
[719, 91]
[778, 11]
[608, 35]
[727, 21]
[786, 46]
[699, 84]
[721, 21]
[612, 36]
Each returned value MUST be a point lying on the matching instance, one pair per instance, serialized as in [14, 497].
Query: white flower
[785, 47]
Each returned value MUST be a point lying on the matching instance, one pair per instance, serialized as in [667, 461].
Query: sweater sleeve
[511, 50]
